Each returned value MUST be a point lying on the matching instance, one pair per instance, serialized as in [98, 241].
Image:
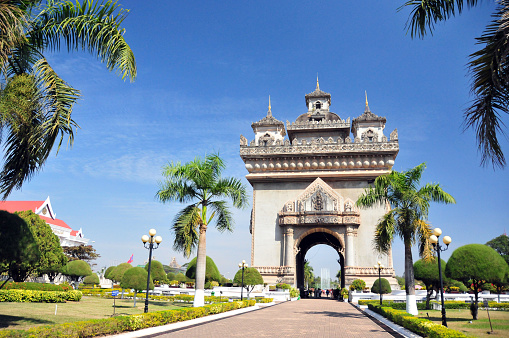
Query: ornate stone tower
[305, 188]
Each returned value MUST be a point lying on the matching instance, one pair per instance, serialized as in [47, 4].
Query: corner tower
[305, 187]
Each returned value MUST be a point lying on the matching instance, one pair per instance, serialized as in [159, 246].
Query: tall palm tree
[308, 274]
[488, 68]
[407, 217]
[35, 102]
[199, 183]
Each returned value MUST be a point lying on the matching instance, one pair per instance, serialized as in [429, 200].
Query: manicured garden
[461, 320]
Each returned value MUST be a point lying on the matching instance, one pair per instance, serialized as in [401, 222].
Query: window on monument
[318, 105]
[370, 139]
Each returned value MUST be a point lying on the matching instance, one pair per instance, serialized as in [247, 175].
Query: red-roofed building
[67, 236]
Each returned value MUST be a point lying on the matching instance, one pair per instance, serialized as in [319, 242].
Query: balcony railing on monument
[275, 270]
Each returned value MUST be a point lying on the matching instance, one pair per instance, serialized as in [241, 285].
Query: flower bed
[35, 286]
[92, 328]
[422, 306]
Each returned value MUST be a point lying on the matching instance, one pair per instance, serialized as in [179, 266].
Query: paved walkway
[304, 318]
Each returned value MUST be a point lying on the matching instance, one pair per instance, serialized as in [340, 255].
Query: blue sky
[205, 71]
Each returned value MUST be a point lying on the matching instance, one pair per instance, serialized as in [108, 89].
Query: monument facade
[306, 178]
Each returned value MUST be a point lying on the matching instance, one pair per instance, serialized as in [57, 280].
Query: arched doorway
[314, 237]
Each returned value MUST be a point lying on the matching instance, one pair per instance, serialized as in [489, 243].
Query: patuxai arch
[306, 178]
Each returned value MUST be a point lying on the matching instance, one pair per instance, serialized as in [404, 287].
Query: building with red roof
[67, 236]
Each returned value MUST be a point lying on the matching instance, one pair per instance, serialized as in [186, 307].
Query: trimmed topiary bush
[156, 272]
[119, 271]
[475, 265]
[211, 270]
[136, 278]
[91, 279]
[386, 287]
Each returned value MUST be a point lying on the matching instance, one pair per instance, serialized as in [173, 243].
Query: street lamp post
[242, 265]
[436, 244]
[379, 266]
[150, 243]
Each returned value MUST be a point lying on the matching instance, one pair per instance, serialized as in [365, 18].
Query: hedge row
[421, 326]
[96, 327]
[34, 296]
[422, 306]
[391, 304]
[35, 286]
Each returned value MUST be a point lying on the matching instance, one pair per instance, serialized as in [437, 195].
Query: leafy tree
[224, 281]
[475, 265]
[91, 279]
[358, 284]
[109, 270]
[119, 271]
[156, 271]
[211, 270]
[76, 270]
[502, 285]
[386, 286]
[308, 274]
[36, 104]
[487, 67]
[181, 278]
[19, 251]
[427, 272]
[82, 252]
[406, 219]
[252, 278]
[52, 258]
[199, 182]
[136, 278]
[170, 276]
[501, 245]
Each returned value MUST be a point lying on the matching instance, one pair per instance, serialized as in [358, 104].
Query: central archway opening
[317, 239]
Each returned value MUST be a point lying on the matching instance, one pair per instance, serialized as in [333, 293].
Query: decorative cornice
[275, 270]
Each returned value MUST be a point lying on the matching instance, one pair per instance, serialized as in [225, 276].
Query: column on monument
[350, 258]
[289, 255]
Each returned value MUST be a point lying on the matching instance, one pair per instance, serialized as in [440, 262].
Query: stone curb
[180, 325]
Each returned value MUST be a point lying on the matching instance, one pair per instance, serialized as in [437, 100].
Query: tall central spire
[317, 84]
[269, 113]
[367, 107]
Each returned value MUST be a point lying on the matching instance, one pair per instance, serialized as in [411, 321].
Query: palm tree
[308, 274]
[200, 183]
[406, 219]
[35, 103]
[488, 68]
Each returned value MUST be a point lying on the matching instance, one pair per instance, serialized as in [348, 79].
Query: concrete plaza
[304, 318]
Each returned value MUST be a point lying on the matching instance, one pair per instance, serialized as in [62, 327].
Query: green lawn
[460, 320]
[25, 315]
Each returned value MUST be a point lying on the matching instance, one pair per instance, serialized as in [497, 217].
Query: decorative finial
[367, 107]
[269, 113]
[317, 84]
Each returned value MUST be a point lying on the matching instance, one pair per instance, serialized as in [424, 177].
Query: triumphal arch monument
[306, 178]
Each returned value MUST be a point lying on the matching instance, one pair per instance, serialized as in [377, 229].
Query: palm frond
[234, 189]
[425, 13]
[423, 234]
[489, 68]
[12, 25]
[224, 218]
[176, 190]
[91, 26]
[384, 233]
[186, 229]
[20, 108]
[433, 192]
[59, 101]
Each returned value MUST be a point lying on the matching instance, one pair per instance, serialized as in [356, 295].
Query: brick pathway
[304, 318]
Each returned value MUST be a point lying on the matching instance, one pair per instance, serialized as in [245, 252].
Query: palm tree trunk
[411, 302]
[201, 258]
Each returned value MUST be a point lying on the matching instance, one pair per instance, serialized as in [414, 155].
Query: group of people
[318, 293]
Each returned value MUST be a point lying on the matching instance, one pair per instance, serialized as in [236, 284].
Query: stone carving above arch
[369, 136]
[318, 204]
[266, 140]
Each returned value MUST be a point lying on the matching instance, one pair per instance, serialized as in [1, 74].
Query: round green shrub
[91, 279]
[386, 286]
[211, 270]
